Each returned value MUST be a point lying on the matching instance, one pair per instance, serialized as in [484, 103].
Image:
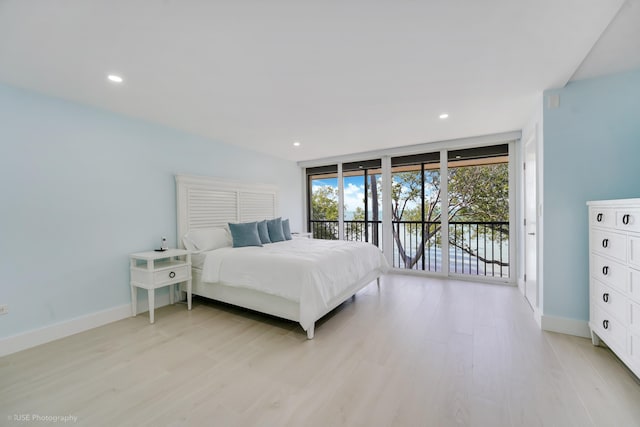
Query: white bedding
[310, 272]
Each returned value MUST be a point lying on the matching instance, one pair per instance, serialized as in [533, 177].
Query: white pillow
[207, 239]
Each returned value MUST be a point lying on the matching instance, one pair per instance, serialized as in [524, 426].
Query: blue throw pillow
[286, 229]
[245, 234]
[263, 231]
[275, 230]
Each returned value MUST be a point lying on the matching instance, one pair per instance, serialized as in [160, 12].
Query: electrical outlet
[4, 309]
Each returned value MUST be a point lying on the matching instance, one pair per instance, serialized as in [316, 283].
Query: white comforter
[310, 272]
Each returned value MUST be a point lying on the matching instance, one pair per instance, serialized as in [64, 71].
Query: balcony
[475, 248]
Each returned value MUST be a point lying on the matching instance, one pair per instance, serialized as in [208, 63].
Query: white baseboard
[579, 328]
[25, 340]
[537, 317]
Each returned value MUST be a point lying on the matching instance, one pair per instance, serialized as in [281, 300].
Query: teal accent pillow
[286, 229]
[275, 230]
[245, 234]
[263, 231]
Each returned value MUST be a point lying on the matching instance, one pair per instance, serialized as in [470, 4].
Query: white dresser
[614, 277]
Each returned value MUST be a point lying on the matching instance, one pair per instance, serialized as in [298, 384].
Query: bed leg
[378, 281]
[310, 331]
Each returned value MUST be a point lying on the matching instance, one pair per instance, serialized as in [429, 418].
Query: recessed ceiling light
[296, 144]
[444, 115]
[114, 78]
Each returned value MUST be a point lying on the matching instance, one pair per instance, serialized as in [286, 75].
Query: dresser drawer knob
[605, 243]
[599, 217]
[625, 219]
[605, 270]
[172, 275]
[605, 297]
[605, 324]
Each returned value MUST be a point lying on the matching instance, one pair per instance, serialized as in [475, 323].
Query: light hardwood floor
[415, 352]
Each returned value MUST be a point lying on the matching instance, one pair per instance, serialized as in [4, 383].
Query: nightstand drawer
[174, 274]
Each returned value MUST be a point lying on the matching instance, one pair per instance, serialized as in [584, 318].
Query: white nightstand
[152, 270]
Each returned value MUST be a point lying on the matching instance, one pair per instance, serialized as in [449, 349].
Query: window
[479, 211]
[363, 201]
[322, 185]
[461, 228]
[416, 212]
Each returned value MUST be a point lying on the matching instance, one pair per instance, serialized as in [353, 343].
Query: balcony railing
[475, 248]
[363, 231]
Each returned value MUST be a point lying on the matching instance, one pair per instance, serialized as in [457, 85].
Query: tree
[324, 207]
[476, 194]
[359, 214]
[468, 201]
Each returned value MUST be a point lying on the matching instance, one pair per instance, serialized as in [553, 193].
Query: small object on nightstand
[153, 270]
[164, 246]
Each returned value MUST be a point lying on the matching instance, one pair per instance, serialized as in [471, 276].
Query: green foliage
[476, 194]
[324, 203]
[324, 206]
[358, 215]
[479, 193]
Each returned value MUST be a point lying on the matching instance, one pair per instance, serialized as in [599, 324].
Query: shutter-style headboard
[204, 202]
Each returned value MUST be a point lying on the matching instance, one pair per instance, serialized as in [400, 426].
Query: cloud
[353, 196]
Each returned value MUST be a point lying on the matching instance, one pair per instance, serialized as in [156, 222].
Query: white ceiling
[338, 76]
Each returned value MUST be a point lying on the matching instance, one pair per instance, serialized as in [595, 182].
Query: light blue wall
[81, 188]
[591, 152]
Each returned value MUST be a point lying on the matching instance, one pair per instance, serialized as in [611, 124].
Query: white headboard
[204, 202]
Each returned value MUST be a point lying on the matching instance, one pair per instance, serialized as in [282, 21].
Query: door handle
[531, 234]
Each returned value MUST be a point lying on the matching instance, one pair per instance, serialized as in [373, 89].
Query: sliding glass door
[363, 201]
[416, 212]
[322, 188]
[448, 210]
[478, 205]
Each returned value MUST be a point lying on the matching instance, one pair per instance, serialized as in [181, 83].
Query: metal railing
[356, 230]
[481, 248]
[475, 247]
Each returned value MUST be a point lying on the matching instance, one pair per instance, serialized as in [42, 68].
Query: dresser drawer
[611, 301]
[602, 217]
[634, 285]
[609, 243]
[634, 350]
[610, 330]
[610, 272]
[171, 274]
[634, 318]
[628, 219]
[633, 250]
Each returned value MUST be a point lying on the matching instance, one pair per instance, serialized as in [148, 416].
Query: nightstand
[152, 270]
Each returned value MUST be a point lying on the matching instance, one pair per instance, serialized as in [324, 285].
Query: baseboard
[579, 328]
[537, 316]
[25, 340]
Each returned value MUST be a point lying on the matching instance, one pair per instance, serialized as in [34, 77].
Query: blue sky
[353, 190]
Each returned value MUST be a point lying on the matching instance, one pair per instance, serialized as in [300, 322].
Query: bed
[299, 279]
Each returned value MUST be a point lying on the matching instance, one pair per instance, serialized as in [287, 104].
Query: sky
[353, 190]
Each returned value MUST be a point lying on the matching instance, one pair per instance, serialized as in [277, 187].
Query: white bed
[299, 279]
